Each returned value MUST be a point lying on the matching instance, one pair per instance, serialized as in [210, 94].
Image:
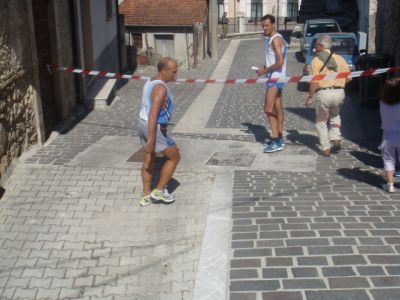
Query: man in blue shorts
[275, 67]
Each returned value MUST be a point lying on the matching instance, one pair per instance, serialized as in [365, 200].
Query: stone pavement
[246, 225]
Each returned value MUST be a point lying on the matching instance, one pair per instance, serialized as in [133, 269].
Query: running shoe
[162, 196]
[145, 200]
[273, 146]
[389, 188]
[281, 140]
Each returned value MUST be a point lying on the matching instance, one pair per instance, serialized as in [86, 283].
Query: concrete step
[100, 93]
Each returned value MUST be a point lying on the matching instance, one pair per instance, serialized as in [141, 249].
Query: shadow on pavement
[159, 163]
[362, 176]
[303, 86]
[2, 191]
[368, 159]
[360, 125]
[307, 140]
[306, 113]
[260, 133]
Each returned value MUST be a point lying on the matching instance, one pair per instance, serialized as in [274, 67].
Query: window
[137, 40]
[342, 45]
[109, 10]
[321, 28]
[256, 10]
[292, 11]
[221, 9]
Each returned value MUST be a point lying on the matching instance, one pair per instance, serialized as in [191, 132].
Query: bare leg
[173, 158]
[147, 172]
[269, 108]
[279, 113]
[389, 176]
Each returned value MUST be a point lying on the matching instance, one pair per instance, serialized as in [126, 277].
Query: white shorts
[163, 140]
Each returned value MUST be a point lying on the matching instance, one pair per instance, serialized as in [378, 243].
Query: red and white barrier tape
[293, 79]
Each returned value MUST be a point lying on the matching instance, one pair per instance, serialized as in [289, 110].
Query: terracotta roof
[164, 12]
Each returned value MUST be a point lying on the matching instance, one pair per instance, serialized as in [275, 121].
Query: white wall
[104, 33]
[181, 40]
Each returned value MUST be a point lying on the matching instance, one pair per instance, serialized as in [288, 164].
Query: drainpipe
[213, 29]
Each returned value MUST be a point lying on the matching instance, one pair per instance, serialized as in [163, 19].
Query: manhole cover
[241, 159]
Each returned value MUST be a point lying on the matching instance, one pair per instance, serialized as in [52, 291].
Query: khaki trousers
[327, 108]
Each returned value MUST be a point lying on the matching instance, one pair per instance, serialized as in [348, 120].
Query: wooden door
[42, 35]
[165, 45]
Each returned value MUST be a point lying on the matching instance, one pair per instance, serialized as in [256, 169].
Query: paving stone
[252, 253]
[385, 293]
[22, 293]
[392, 270]
[279, 261]
[245, 263]
[328, 250]
[349, 260]
[303, 284]
[284, 295]
[307, 242]
[243, 274]
[386, 281]
[289, 251]
[312, 261]
[337, 295]
[48, 293]
[242, 244]
[256, 285]
[242, 296]
[274, 273]
[348, 283]
[304, 272]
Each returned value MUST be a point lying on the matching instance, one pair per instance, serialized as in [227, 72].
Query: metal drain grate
[240, 159]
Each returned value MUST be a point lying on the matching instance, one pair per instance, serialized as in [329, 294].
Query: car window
[321, 28]
[341, 45]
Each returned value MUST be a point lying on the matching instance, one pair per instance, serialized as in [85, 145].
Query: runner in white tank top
[270, 59]
[275, 67]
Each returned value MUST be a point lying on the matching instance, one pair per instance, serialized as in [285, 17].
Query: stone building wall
[17, 113]
[387, 38]
[21, 117]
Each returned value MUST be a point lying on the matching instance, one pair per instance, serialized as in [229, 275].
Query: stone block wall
[21, 120]
[17, 113]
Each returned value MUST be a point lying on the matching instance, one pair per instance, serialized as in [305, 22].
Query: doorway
[43, 47]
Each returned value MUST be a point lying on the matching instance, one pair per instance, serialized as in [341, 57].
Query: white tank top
[165, 113]
[270, 57]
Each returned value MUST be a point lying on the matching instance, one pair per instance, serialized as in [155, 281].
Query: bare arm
[277, 44]
[311, 91]
[313, 85]
[157, 102]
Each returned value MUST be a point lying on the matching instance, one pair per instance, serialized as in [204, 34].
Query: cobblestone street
[245, 226]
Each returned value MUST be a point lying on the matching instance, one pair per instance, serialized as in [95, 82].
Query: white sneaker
[163, 196]
[389, 188]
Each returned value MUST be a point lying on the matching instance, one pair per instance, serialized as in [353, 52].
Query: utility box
[362, 42]
[371, 86]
